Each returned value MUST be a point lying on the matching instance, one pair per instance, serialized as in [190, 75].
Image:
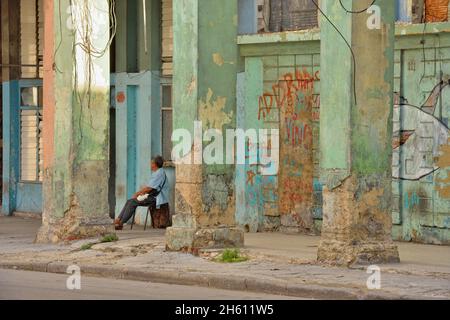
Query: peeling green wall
[218, 59]
[334, 136]
[205, 68]
[420, 212]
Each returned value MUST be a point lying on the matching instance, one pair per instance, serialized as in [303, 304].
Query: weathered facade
[79, 125]
[283, 69]
[106, 106]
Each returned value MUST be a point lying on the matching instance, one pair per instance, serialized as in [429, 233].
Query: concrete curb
[241, 283]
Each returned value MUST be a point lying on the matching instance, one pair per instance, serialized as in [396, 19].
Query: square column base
[59, 232]
[192, 239]
[345, 254]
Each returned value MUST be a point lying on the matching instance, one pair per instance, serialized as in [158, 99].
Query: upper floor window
[32, 38]
[258, 16]
[288, 15]
[422, 11]
[167, 38]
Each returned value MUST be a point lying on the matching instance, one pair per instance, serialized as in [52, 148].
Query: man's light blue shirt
[156, 182]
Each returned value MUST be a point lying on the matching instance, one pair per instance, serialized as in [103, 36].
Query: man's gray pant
[130, 207]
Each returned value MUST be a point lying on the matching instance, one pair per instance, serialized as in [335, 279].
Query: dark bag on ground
[161, 218]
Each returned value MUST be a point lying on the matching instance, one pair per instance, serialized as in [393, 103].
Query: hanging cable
[356, 12]
[82, 22]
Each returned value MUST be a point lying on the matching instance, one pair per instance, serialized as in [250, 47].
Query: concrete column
[76, 120]
[356, 136]
[204, 89]
[149, 35]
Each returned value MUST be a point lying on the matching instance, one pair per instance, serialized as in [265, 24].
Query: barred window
[31, 125]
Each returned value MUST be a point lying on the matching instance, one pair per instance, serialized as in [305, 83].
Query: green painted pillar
[204, 89]
[76, 120]
[356, 133]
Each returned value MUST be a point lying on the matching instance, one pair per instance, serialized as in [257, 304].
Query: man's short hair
[159, 161]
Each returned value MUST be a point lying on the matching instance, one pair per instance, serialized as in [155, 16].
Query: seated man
[156, 194]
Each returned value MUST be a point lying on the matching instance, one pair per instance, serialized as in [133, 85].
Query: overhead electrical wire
[356, 12]
[81, 16]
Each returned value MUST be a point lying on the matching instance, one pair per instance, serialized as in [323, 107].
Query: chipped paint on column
[77, 136]
[217, 70]
[185, 96]
[357, 209]
[205, 68]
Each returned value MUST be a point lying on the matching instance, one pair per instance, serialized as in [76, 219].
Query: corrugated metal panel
[167, 38]
[31, 37]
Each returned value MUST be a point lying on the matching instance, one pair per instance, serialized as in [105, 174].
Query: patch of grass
[231, 256]
[110, 238]
[87, 246]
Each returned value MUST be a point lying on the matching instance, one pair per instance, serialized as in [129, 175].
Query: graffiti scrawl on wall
[294, 98]
[418, 137]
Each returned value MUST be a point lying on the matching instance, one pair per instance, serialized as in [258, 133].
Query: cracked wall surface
[204, 90]
[76, 136]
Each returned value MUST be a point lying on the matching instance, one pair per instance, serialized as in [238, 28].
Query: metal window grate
[31, 141]
[32, 38]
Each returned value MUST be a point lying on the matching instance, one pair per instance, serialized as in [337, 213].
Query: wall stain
[212, 113]
[218, 59]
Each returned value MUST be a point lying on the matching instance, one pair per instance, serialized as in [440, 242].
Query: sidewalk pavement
[278, 264]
